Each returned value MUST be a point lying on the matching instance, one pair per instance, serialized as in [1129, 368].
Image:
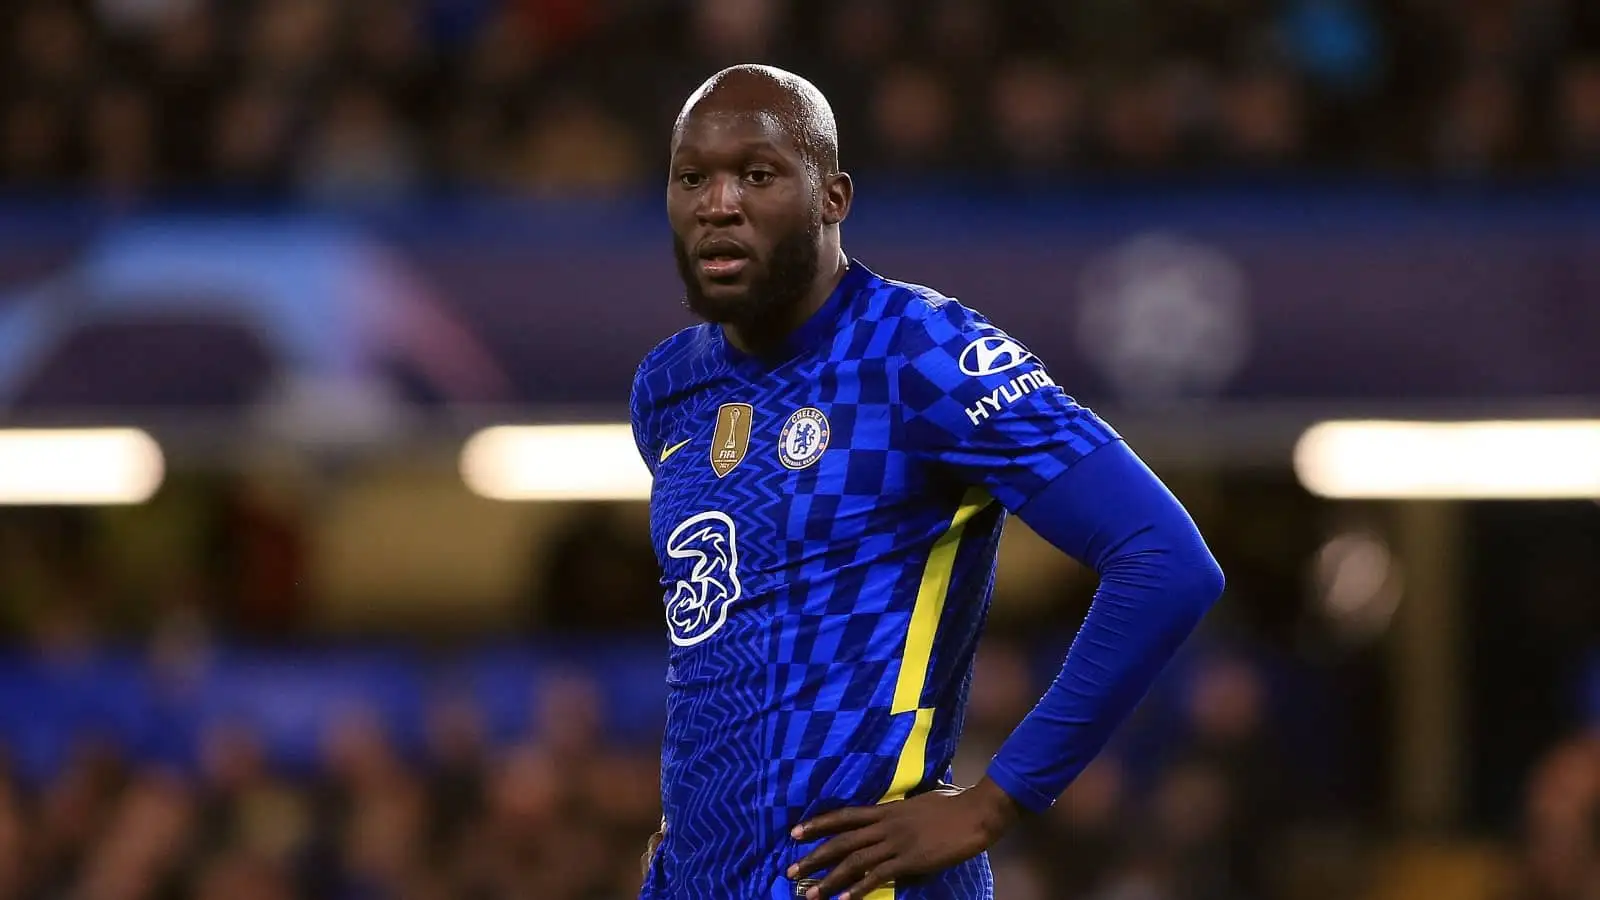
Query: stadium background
[311, 633]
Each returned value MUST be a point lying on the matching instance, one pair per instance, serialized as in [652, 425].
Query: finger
[874, 878]
[859, 867]
[839, 820]
[649, 852]
[834, 850]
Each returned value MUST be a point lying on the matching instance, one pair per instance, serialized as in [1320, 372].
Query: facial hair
[768, 303]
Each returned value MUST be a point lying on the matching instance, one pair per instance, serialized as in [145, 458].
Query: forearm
[1157, 580]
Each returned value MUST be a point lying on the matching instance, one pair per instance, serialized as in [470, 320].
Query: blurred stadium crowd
[559, 810]
[386, 97]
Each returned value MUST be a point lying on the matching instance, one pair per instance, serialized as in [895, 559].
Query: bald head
[790, 102]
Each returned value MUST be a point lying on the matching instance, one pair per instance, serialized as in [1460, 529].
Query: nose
[720, 202]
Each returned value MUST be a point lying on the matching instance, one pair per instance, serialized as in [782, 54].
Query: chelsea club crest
[803, 438]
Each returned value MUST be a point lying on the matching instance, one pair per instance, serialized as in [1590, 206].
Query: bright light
[555, 462]
[1360, 585]
[1527, 460]
[78, 467]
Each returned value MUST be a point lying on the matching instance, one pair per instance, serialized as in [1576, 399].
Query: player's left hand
[871, 846]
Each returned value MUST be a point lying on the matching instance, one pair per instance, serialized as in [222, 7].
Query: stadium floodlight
[1487, 460]
[78, 467]
[555, 462]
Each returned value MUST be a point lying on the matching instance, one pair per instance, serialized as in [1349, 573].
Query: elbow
[1181, 577]
[1200, 583]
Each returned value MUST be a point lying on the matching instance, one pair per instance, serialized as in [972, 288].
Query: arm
[641, 416]
[1157, 580]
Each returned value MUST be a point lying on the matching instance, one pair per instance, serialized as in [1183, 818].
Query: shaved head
[794, 105]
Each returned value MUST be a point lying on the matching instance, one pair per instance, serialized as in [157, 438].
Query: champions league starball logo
[699, 603]
[1165, 318]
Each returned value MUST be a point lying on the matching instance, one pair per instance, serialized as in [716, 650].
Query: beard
[769, 300]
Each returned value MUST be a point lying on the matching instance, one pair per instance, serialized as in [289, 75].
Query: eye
[759, 176]
[691, 179]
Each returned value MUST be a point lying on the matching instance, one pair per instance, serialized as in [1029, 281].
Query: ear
[837, 192]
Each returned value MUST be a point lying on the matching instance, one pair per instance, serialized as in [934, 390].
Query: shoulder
[925, 323]
[669, 362]
[665, 372]
[695, 341]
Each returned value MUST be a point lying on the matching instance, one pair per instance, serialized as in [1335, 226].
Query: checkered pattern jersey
[824, 597]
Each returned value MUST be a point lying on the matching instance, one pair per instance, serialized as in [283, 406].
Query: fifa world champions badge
[731, 440]
[803, 438]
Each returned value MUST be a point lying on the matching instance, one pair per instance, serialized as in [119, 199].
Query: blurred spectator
[503, 63]
[1237, 776]
[246, 807]
[52, 49]
[859, 34]
[1578, 119]
[1262, 120]
[290, 44]
[123, 151]
[361, 151]
[458, 748]
[1142, 121]
[1085, 835]
[250, 139]
[964, 35]
[34, 144]
[183, 65]
[1479, 124]
[1561, 824]
[145, 840]
[389, 49]
[1194, 827]
[1038, 111]
[734, 31]
[914, 119]
[240, 876]
[575, 146]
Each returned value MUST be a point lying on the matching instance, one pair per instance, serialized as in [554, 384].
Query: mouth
[722, 259]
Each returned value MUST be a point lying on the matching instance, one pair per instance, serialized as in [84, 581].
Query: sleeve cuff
[1017, 789]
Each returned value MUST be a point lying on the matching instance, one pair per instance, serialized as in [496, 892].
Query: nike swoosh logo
[674, 449]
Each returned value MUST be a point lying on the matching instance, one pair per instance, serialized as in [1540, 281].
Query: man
[834, 455]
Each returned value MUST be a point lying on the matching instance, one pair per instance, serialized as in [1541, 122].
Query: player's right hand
[871, 846]
[650, 849]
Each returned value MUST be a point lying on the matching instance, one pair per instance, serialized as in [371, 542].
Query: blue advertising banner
[1130, 299]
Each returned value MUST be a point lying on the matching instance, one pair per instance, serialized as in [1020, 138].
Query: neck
[756, 341]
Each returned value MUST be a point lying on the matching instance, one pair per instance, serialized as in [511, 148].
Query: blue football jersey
[827, 519]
